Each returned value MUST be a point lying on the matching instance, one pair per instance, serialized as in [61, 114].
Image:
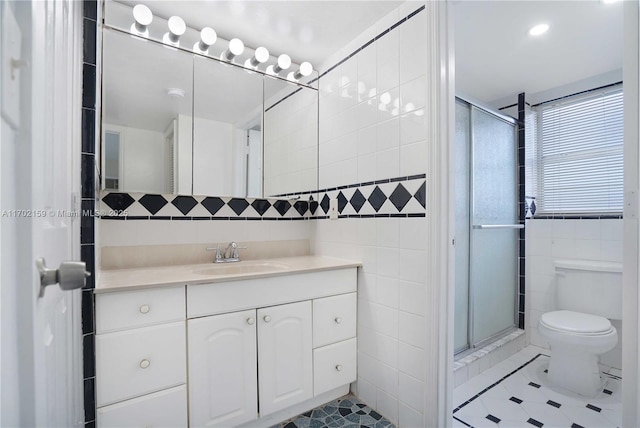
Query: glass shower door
[494, 229]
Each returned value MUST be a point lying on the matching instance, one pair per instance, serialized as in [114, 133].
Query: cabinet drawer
[334, 319]
[134, 362]
[230, 296]
[130, 309]
[334, 366]
[166, 408]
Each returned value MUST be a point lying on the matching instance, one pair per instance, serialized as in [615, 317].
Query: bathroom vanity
[250, 343]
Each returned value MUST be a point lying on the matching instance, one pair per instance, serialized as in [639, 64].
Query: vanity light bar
[143, 17]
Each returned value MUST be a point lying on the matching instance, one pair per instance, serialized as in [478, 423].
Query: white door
[41, 64]
[285, 375]
[222, 369]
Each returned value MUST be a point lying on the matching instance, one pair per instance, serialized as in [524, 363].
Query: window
[578, 154]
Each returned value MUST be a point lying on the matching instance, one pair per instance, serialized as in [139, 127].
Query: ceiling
[305, 30]
[496, 57]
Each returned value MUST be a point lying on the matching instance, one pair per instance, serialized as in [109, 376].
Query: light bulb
[208, 37]
[177, 27]
[304, 70]
[143, 17]
[284, 62]
[236, 47]
[261, 55]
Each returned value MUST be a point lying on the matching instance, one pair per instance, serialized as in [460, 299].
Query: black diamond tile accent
[574, 425]
[400, 197]
[313, 206]
[344, 412]
[184, 203]
[375, 415]
[308, 414]
[535, 423]
[118, 201]
[282, 206]
[606, 391]
[554, 404]
[261, 206]
[361, 405]
[377, 198]
[238, 205]
[153, 203]
[212, 204]
[290, 425]
[324, 203]
[342, 202]
[301, 206]
[516, 400]
[357, 200]
[594, 408]
[493, 418]
[535, 385]
[421, 195]
[361, 412]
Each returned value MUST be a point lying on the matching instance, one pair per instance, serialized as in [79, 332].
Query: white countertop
[156, 276]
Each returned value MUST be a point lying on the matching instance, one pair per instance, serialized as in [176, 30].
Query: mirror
[175, 122]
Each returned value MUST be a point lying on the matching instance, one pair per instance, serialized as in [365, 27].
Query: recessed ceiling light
[538, 29]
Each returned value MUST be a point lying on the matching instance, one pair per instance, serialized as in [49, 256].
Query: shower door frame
[470, 345]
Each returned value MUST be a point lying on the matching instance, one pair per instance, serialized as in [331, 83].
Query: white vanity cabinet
[247, 352]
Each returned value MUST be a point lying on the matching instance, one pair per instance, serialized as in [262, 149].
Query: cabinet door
[284, 356]
[222, 369]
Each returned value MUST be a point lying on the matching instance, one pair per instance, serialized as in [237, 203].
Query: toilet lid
[575, 322]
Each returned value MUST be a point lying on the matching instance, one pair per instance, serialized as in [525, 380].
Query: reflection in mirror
[290, 135]
[146, 89]
[227, 141]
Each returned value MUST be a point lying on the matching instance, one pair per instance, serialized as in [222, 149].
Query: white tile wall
[372, 126]
[165, 232]
[547, 240]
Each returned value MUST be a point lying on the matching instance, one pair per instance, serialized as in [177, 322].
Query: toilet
[588, 295]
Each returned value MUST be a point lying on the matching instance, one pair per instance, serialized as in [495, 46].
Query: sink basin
[242, 268]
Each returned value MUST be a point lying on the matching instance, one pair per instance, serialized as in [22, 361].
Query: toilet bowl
[588, 294]
[577, 340]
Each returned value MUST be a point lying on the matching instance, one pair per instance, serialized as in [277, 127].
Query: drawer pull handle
[145, 363]
[266, 318]
[338, 368]
[144, 309]
[250, 321]
[338, 320]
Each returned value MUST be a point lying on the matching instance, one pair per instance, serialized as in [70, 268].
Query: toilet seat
[576, 323]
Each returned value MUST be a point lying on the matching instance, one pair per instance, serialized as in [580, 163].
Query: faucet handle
[217, 250]
[235, 251]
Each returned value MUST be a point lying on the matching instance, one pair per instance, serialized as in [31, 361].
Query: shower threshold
[472, 362]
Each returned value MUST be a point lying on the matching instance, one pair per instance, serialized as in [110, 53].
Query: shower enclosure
[486, 260]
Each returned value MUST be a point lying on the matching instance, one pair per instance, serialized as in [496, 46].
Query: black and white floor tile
[515, 394]
[346, 411]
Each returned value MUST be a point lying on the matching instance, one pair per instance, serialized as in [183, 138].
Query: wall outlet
[333, 209]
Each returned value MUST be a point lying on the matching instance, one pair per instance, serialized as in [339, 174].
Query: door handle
[70, 275]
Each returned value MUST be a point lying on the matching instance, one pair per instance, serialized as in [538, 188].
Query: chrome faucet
[230, 254]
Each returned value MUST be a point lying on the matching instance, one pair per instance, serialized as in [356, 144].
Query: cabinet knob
[338, 368]
[266, 318]
[250, 321]
[145, 363]
[144, 309]
[338, 320]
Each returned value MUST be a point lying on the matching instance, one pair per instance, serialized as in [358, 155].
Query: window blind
[579, 155]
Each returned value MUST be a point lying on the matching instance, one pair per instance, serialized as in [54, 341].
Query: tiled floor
[515, 393]
[347, 411]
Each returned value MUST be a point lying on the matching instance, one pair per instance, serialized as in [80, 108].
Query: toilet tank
[591, 287]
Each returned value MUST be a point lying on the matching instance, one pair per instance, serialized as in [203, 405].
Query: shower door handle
[498, 226]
